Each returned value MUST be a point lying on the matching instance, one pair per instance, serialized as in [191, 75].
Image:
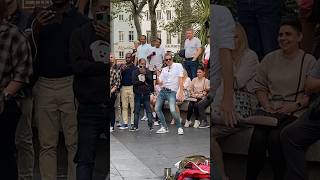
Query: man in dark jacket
[142, 88]
[89, 51]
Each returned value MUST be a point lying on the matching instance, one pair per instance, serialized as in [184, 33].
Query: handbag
[261, 117]
[243, 103]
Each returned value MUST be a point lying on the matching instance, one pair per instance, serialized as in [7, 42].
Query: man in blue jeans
[192, 46]
[142, 88]
[170, 80]
[261, 20]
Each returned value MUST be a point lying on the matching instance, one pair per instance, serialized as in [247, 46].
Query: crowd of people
[150, 77]
[263, 63]
[49, 58]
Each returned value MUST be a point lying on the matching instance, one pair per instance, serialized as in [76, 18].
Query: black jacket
[91, 78]
[139, 87]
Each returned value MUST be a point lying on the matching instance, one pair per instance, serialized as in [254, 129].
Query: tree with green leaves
[134, 7]
[152, 4]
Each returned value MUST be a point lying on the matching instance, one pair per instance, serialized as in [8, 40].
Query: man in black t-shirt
[90, 52]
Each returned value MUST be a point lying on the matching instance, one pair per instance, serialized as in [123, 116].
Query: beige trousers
[127, 99]
[55, 108]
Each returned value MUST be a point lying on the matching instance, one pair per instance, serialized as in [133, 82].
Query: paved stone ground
[159, 151]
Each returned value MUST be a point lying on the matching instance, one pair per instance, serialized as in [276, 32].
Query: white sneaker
[162, 130]
[196, 124]
[187, 123]
[172, 121]
[180, 131]
[156, 123]
[144, 118]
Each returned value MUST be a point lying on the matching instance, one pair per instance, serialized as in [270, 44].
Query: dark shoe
[132, 129]
[204, 124]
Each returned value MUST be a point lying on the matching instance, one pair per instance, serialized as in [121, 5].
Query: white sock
[154, 114]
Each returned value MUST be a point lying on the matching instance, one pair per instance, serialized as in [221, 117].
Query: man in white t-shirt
[170, 81]
[143, 49]
[221, 72]
[156, 56]
[192, 47]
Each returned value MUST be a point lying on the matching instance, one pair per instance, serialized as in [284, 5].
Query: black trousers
[296, 139]
[202, 106]
[267, 138]
[9, 119]
[92, 121]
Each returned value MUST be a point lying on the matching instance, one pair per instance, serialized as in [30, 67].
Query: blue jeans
[145, 100]
[191, 67]
[92, 121]
[171, 97]
[261, 21]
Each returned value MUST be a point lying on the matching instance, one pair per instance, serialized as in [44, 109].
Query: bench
[239, 143]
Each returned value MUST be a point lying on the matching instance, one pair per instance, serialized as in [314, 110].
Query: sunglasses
[168, 59]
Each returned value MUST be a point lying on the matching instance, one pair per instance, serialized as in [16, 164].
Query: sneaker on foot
[196, 124]
[187, 123]
[172, 121]
[144, 118]
[124, 126]
[132, 129]
[162, 130]
[180, 131]
[156, 123]
[204, 124]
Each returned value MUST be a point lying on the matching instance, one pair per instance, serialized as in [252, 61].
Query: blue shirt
[126, 75]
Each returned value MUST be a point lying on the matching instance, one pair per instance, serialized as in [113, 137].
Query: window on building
[168, 15]
[148, 37]
[158, 15]
[120, 17]
[147, 15]
[179, 38]
[168, 38]
[159, 34]
[121, 55]
[121, 36]
[131, 36]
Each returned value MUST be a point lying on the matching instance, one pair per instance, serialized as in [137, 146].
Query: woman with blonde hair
[186, 83]
[245, 62]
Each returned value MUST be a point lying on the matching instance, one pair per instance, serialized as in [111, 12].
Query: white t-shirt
[156, 61]
[191, 46]
[143, 51]
[222, 34]
[170, 78]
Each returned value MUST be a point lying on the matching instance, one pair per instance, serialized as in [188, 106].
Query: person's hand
[102, 30]
[180, 96]
[269, 109]
[43, 18]
[288, 108]
[228, 112]
[114, 88]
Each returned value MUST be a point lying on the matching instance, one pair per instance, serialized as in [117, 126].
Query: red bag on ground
[200, 171]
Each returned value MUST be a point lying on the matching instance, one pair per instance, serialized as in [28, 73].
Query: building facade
[124, 34]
